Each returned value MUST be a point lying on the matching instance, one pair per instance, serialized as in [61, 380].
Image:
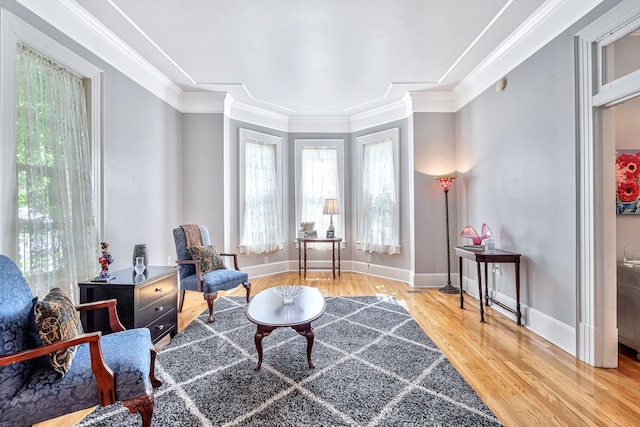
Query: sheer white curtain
[318, 181]
[57, 237]
[262, 229]
[379, 222]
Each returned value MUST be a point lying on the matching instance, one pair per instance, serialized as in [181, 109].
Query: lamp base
[449, 289]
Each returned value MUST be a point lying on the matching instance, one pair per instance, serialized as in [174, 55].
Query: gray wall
[203, 173]
[516, 154]
[434, 155]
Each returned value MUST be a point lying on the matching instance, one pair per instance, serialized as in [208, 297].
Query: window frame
[14, 30]
[278, 142]
[300, 144]
[361, 142]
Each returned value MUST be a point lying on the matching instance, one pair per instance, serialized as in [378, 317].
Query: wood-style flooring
[524, 379]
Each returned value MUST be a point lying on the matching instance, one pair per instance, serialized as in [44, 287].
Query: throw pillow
[58, 320]
[208, 256]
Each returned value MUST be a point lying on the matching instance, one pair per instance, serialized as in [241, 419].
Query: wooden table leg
[338, 258]
[480, 293]
[333, 258]
[261, 332]
[518, 313]
[486, 284]
[305, 259]
[299, 258]
[307, 331]
[460, 282]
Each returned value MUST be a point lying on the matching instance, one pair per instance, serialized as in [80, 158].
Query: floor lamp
[445, 182]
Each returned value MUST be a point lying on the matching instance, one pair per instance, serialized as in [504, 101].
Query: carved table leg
[307, 331]
[261, 332]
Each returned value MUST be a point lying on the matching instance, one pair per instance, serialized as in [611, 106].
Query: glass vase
[139, 267]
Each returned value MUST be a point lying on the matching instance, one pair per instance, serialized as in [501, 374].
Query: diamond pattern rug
[374, 367]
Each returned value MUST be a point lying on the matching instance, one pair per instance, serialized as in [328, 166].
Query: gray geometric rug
[374, 367]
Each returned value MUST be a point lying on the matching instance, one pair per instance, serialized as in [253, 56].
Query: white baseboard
[558, 333]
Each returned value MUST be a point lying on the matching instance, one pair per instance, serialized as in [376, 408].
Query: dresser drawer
[156, 290]
[156, 309]
[163, 325]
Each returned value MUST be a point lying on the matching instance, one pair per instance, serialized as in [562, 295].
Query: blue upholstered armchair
[205, 272]
[103, 370]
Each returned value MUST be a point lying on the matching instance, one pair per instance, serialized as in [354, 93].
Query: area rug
[374, 367]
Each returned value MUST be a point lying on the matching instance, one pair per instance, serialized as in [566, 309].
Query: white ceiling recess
[301, 65]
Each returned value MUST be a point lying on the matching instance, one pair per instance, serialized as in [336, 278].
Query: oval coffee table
[268, 311]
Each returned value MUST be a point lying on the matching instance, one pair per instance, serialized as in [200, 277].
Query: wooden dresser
[147, 300]
[629, 306]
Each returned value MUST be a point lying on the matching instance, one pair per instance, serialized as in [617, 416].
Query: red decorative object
[446, 181]
[470, 233]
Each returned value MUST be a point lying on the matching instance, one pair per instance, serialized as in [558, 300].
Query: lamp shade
[331, 207]
[446, 181]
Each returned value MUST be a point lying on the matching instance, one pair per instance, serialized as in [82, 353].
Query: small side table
[480, 256]
[302, 247]
[146, 300]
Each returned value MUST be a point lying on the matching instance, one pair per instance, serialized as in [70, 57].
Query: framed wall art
[627, 181]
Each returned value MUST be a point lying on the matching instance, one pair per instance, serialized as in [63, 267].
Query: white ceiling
[316, 58]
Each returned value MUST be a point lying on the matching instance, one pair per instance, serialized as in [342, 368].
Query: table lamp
[331, 208]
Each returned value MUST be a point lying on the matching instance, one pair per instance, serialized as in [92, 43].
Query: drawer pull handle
[158, 289]
[159, 308]
[161, 327]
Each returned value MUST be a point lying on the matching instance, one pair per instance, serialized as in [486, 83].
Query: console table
[145, 300]
[302, 247]
[499, 256]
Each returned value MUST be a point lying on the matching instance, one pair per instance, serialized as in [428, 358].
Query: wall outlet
[169, 260]
[369, 258]
[266, 260]
[497, 269]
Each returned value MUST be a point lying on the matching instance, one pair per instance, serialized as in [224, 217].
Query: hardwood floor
[524, 379]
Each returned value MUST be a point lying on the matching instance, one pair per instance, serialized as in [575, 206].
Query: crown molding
[433, 102]
[203, 102]
[549, 21]
[74, 21]
[545, 24]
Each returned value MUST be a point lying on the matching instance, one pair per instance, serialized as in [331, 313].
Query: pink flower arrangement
[627, 177]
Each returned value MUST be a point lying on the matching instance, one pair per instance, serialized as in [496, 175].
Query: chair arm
[196, 263]
[235, 260]
[104, 374]
[110, 305]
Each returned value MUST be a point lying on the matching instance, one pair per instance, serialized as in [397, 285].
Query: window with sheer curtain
[319, 174]
[378, 201]
[261, 227]
[57, 236]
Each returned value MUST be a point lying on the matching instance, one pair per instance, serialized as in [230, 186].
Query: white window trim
[245, 134]
[14, 30]
[300, 144]
[361, 142]
[623, 87]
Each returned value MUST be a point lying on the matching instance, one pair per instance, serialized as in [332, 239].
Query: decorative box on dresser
[629, 307]
[146, 300]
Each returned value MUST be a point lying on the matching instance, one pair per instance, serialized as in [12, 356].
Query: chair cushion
[128, 355]
[222, 280]
[15, 304]
[208, 256]
[58, 320]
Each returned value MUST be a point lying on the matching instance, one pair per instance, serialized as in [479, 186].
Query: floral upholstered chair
[202, 268]
[44, 376]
